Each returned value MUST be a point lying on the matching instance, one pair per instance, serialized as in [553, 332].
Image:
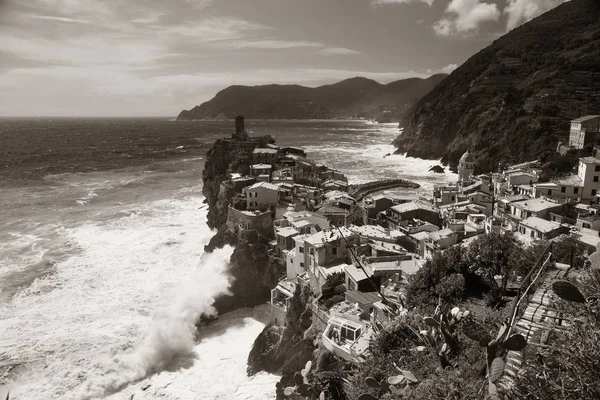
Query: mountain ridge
[356, 97]
[513, 100]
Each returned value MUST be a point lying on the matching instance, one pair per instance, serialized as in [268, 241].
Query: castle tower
[466, 166]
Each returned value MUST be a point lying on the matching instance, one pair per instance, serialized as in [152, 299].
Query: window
[587, 226]
[596, 178]
[301, 264]
[593, 192]
[334, 250]
[575, 190]
[549, 192]
[452, 198]
[532, 234]
[597, 168]
[301, 249]
[563, 189]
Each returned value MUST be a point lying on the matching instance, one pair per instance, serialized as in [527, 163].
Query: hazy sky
[157, 57]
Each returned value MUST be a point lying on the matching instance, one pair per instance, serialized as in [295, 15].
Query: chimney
[239, 124]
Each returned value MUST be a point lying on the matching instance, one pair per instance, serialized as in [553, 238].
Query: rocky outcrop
[513, 100]
[351, 98]
[285, 349]
[253, 272]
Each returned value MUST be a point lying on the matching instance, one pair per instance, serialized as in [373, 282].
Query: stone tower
[466, 166]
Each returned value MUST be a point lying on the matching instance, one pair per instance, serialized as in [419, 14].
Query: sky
[157, 57]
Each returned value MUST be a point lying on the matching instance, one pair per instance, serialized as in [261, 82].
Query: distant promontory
[348, 99]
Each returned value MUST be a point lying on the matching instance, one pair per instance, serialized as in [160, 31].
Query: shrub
[330, 302]
[451, 288]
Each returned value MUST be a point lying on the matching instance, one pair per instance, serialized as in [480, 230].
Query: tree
[495, 257]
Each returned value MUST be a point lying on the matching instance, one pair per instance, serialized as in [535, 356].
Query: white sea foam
[115, 310]
[170, 339]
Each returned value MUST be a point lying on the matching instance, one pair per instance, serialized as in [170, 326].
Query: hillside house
[402, 214]
[261, 195]
[584, 131]
[539, 207]
[372, 205]
[534, 228]
[314, 218]
[335, 215]
[265, 156]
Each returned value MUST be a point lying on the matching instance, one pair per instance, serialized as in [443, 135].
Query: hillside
[514, 99]
[351, 98]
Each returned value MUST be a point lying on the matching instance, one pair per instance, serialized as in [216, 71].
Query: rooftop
[265, 185]
[587, 236]
[357, 273]
[265, 151]
[540, 224]
[327, 236]
[421, 235]
[329, 209]
[513, 198]
[535, 205]
[362, 298]
[589, 160]
[375, 231]
[586, 118]
[287, 231]
[261, 166]
[437, 235]
[413, 206]
[378, 245]
[571, 180]
[408, 267]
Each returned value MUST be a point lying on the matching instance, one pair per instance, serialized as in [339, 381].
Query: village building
[335, 215]
[403, 214]
[265, 156]
[584, 131]
[347, 338]
[466, 167]
[373, 205]
[284, 175]
[261, 196]
[535, 228]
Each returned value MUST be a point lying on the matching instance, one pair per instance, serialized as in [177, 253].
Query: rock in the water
[437, 169]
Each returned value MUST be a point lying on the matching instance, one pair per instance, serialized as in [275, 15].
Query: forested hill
[513, 100]
[351, 98]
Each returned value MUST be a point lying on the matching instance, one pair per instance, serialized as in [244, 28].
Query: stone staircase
[538, 316]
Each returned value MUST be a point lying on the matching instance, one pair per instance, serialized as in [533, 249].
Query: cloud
[448, 68]
[61, 19]
[384, 2]
[444, 70]
[521, 11]
[268, 44]
[465, 17]
[338, 51]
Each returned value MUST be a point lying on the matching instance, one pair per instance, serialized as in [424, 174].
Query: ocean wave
[170, 340]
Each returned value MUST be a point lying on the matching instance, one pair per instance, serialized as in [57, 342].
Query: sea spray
[171, 334]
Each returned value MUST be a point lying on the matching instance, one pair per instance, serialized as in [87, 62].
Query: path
[538, 316]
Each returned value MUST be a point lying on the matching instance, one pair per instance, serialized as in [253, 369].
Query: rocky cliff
[253, 272]
[351, 98]
[513, 100]
[285, 349]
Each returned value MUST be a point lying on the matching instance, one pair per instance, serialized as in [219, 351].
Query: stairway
[539, 315]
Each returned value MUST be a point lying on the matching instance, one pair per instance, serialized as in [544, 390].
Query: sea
[102, 270]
